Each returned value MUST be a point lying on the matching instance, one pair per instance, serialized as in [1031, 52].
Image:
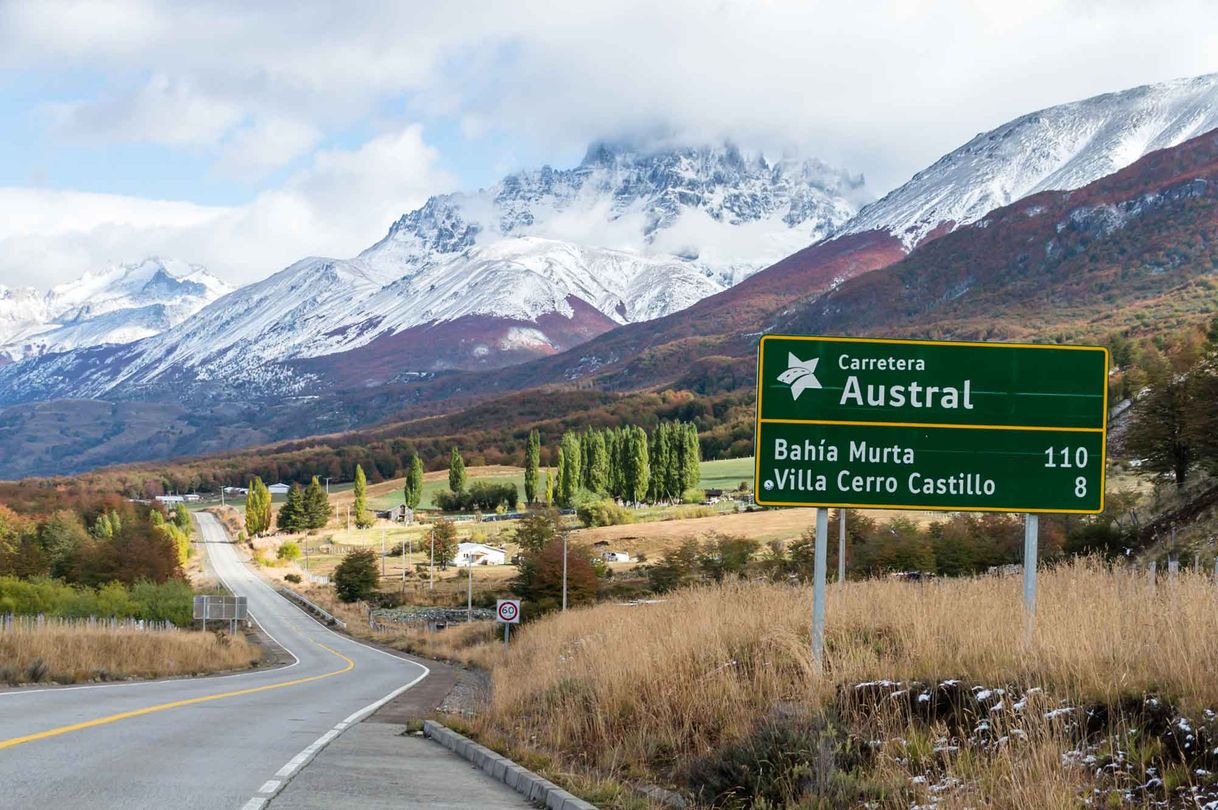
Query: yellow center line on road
[113, 718]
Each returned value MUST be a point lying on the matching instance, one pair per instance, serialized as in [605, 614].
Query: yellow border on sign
[832, 339]
[926, 425]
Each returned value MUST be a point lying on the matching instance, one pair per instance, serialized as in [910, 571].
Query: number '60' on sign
[507, 611]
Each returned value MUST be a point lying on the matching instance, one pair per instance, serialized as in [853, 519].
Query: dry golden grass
[476, 644]
[654, 537]
[651, 687]
[72, 653]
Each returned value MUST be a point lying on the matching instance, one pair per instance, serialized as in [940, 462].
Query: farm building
[470, 554]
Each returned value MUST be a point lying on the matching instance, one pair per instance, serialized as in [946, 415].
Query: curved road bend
[221, 742]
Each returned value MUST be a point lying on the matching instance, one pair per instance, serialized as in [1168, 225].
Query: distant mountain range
[633, 270]
[120, 304]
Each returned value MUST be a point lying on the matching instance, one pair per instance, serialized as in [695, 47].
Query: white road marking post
[818, 586]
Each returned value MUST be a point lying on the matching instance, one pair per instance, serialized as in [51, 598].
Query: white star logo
[799, 374]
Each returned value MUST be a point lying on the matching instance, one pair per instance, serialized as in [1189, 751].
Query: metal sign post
[929, 425]
[818, 585]
[507, 611]
[841, 545]
[1031, 538]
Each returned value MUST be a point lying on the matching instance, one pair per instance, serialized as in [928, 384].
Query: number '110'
[1063, 457]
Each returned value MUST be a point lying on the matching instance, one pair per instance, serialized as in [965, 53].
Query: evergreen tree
[456, 472]
[317, 508]
[413, 489]
[363, 518]
[532, 460]
[356, 577]
[597, 464]
[292, 516]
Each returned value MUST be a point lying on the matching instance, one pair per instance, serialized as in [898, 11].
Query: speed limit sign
[508, 611]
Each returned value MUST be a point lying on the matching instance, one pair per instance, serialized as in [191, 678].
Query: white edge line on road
[208, 678]
[314, 748]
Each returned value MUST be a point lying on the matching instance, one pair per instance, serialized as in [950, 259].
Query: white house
[278, 489]
[470, 554]
[170, 498]
[615, 556]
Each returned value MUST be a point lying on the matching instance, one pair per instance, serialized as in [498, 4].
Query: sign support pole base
[818, 586]
[1031, 537]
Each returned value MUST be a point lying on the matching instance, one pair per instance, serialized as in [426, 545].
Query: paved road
[223, 742]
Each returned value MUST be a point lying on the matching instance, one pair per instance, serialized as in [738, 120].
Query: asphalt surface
[373, 767]
[220, 742]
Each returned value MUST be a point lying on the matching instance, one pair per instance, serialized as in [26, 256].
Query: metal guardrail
[325, 615]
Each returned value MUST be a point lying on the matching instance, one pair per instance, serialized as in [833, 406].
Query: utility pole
[403, 566]
[327, 485]
[433, 563]
[469, 598]
[564, 570]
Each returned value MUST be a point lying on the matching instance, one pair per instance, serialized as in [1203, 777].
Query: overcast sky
[243, 136]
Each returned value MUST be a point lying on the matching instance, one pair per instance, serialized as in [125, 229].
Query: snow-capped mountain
[119, 304]
[1060, 148]
[535, 264]
[725, 212]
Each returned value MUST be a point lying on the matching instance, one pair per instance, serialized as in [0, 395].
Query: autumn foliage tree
[539, 581]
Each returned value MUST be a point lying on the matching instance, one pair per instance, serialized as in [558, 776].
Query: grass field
[651, 692]
[64, 652]
[727, 474]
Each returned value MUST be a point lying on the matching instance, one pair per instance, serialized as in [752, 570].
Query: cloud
[885, 87]
[343, 201]
[164, 110]
[882, 87]
[266, 145]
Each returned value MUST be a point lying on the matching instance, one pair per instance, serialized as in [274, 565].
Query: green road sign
[908, 424]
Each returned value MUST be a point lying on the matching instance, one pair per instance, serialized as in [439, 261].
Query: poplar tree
[532, 460]
[456, 471]
[691, 458]
[363, 518]
[660, 454]
[549, 488]
[252, 513]
[257, 508]
[413, 489]
[638, 466]
[570, 472]
[597, 464]
[559, 471]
